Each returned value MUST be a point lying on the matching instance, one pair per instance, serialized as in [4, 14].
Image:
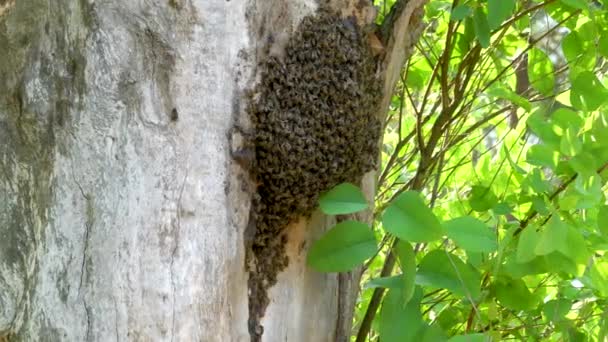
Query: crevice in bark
[87, 312]
[175, 251]
[90, 216]
[315, 126]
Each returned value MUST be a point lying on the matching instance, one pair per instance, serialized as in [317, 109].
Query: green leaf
[584, 164]
[556, 310]
[451, 316]
[482, 28]
[392, 282]
[517, 270]
[577, 248]
[557, 236]
[470, 338]
[407, 261]
[539, 204]
[499, 11]
[460, 12]
[514, 294]
[598, 275]
[570, 143]
[602, 220]
[471, 234]
[440, 269]
[543, 128]
[408, 218]
[343, 247]
[415, 78]
[519, 171]
[559, 263]
[509, 95]
[343, 199]
[528, 240]
[398, 322]
[579, 52]
[553, 237]
[603, 45]
[502, 209]
[536, 181]
[540, 72]
[432, 333]
[542, 155]
[588, 189]
[567, 118]
[587, 92]
[597, 242]
[465, 39]
[482, 198]
[578, 4]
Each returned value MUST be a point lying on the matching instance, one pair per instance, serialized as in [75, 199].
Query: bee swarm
[315, 124]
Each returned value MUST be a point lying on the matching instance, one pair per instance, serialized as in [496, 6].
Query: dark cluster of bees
[315, 124]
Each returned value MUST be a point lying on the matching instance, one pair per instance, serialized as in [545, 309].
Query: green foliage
[345, 198]
[343, 247]
[482, 28]
[471, 234]
[443, 270]
[400, 322]
[407, 261]
[499, 11]
[540, 71]
[410, 219]
[491, 200]
[461, 11]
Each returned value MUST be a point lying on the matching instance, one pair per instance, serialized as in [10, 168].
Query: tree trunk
[123, 213]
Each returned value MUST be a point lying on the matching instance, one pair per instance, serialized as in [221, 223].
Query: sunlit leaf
[603, 45]
[408, 218]
[542, 155]
[528, 240]
[471, 234]
[570, 145]
[499, 11]
[343, 199]
[602, 220]
[599, 276]
[343, 247]
[542, 127]
[554, 237]
[587, 92]
[511, 96]
[556, 310]
[482, 198]
[579, 4]
[514, 294]
[440, 269]
[470, 338]
[540, 72]
[567, 118]
[580, 53]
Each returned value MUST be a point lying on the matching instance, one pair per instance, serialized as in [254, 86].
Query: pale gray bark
[122, 213]
[118, 221]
